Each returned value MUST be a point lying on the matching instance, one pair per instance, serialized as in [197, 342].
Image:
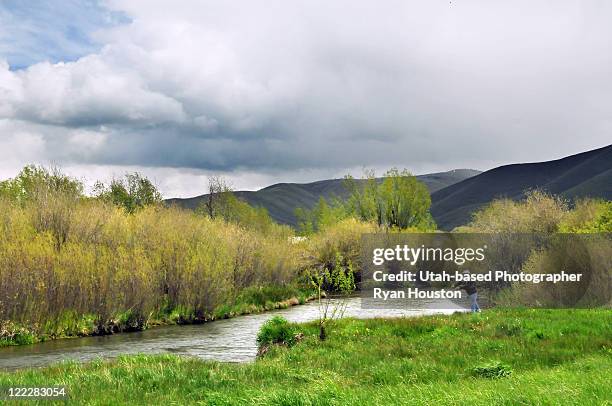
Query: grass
[251, 300]
[502, 357]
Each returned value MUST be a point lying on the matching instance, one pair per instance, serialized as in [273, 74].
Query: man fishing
[470, 288]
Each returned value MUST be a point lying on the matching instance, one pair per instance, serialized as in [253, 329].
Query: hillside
[588, 174]
[282, 199]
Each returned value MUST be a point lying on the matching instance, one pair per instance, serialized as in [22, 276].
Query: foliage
[589, 256]
[132, 192]
[240, 212]
[322, 216]
[406, 201]
[277, 330]
[260, 295]
[540, 219]
[588, 216]
[69, 259]
[222, 203]
[424, 360]
[234, 210]
[540, 212]
[219, 195]
[493, 370]
[339, 279]
[399, 201]
[343, 238]
[49, 198]
[11, 334]
[36, 182]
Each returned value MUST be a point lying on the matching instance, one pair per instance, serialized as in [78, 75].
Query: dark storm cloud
[275, 86]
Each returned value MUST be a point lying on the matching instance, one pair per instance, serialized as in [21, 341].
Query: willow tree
[50, 196]
[398, 200]
[405, 200]
[132, 192]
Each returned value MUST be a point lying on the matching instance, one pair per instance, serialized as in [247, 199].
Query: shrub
[277, 330]
[343, 238]
[339, 279]
[99, 260]
[588, 216]
[539, 212]
[11, 334]
[494, 370]
[589, 255]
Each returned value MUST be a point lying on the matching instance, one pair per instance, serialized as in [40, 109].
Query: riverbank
[497, 357]
[249, 301]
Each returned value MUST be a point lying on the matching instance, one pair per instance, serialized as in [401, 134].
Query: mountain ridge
[586, 174]
[281, 199]
[455, 194]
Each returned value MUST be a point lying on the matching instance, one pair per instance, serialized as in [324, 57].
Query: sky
[275, 91]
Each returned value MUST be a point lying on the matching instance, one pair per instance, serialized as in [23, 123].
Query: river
[229, 340]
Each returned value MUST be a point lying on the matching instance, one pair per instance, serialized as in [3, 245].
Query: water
[230, 340]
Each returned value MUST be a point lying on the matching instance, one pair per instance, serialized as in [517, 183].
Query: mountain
[282, 199]
[455, 194]
[588, 174]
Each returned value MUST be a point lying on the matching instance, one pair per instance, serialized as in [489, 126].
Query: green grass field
[504, 357]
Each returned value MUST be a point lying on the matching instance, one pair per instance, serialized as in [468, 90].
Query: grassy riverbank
[249, 301]
[73, 265]
[497, 357]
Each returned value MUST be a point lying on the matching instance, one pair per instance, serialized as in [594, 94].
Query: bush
[277, 330]
[539, 212]
[589, 255]
[343, 238]
[494, 370]
[11, 334]
[259, 295]
[588, 216]
[102, 261]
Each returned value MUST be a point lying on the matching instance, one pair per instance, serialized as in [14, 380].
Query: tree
[364, 201]
[51, 196]
[219, 196]
[321, 216]
[36, 182]
[339, 279]
[132, 192]
[398, 201]
[221, 202]
[405, 201]
[234, 210]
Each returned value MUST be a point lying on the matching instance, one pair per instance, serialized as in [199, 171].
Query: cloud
[18, 145]
[282, 89]
[39, 30]
[87, 93]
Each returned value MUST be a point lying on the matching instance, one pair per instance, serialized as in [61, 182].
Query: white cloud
[20, 147]
[84, 93]
[281, 89]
